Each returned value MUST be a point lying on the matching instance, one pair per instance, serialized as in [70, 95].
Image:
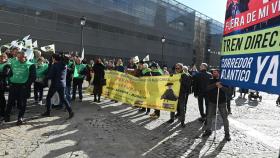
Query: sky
[213, 8]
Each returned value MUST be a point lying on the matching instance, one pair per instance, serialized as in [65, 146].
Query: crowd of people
[64, 74]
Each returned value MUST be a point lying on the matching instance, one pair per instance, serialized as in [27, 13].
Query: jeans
[212, 111]
[62, 98]
[68, 93]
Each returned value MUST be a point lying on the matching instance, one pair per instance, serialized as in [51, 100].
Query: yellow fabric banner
[157, 92]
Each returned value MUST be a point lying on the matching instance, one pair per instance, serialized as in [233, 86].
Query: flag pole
[216, 119]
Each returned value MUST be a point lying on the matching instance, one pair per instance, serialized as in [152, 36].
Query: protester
[69, 76]
[165, 71]
[155, 71]
[98, 80]
[23, 74]
[201, 80]
[57, 75]
[39, 84]
[79, 75]
[185, 82]
[119, 66]
[5, 68]
[212, 91]
[146, 71]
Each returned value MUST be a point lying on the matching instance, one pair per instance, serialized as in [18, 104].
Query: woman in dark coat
[98, 80]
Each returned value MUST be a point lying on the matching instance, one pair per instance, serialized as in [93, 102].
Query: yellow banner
[157, 92]
[255, 42]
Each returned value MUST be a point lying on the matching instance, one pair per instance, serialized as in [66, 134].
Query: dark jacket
[4, 77]
[57, 75]
[200, 82]
[213, 91]
[99, 74]
[185, 85]
[119, 68]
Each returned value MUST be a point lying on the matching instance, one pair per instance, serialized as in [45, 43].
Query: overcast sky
[212, 8]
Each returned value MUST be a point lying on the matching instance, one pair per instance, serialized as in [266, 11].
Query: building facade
[116, 28]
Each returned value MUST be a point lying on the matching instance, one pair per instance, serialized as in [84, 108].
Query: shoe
[98, 101]
[183, 125]
[7, 119]
[153, 114]
[46, 114]
[206, 133]
[147, 113]
[176, 115]
[154, 117]
[202, 119]
[95, 100]
[142, 110]
[229, 113]
[71, 114]
[170, 121]
[20, 122]
[40, 103]
[227, 137]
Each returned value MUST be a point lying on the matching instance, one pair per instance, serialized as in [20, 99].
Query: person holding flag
[79, 75]
[23, 74]
[217, 94]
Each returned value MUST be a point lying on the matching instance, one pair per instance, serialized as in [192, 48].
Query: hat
[154, 64]
[169, 84]
[205, 64]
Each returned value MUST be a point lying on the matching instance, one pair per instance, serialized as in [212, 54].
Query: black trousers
[77, 82]
[17, 93]
[62, 98]
[181, 109]
[38, 91]
[2, 103]
[201, 98]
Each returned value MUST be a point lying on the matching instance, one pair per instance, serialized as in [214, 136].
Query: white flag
[35, 44]
[29, 54]
[26, 38]
[49, 48]
[136, 59]
[28, 44]
[83, 54]
[147, 58]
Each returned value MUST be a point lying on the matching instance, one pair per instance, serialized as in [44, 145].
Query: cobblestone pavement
[114, 130]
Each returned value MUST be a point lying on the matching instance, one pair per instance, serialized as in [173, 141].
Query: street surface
[115, 130]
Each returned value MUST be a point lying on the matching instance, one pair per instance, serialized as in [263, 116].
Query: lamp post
[162, 45]
[82, 23]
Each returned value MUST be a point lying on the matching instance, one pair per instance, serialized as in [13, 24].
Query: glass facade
[116, 28]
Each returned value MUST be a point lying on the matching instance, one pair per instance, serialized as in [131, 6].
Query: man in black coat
[183, 95]
[57, 75]
[201, 81]
[213, 86]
